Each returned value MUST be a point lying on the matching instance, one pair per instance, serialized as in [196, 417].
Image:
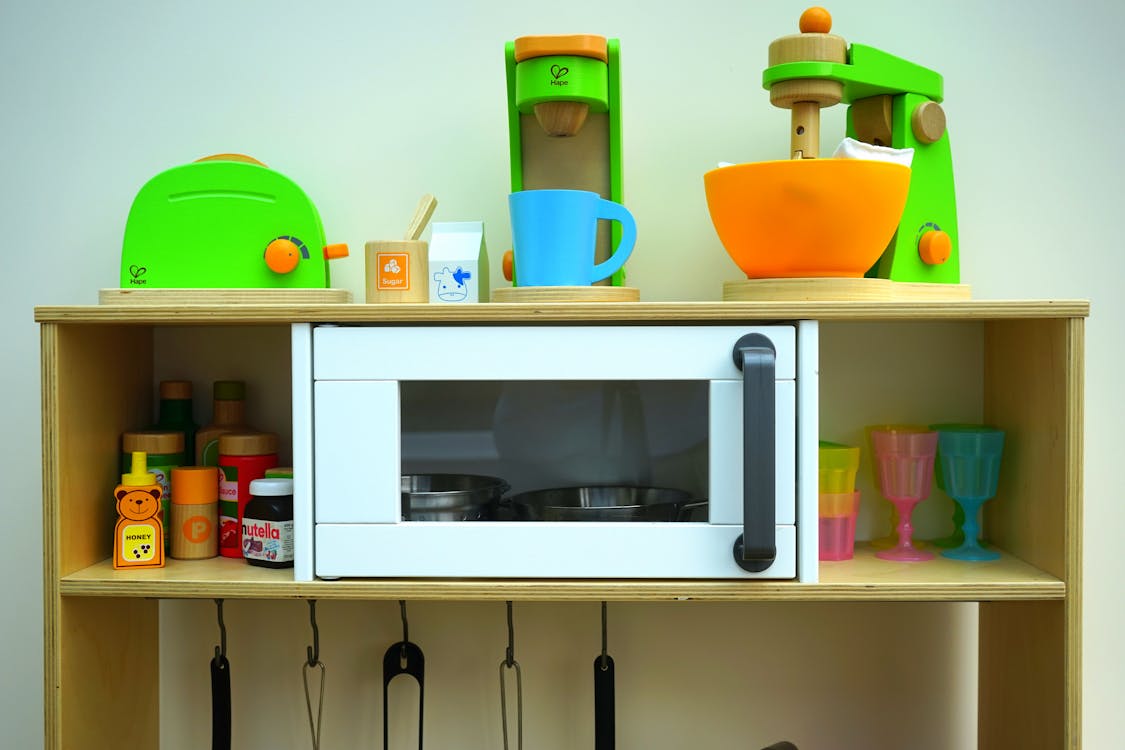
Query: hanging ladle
[220, 689]
[406, 658]
[604, 721]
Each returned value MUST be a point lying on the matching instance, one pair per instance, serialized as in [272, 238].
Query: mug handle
[615, 212]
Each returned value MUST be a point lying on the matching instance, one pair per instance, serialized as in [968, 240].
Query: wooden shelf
[864, 578]
[607, 312]
[1030, 378]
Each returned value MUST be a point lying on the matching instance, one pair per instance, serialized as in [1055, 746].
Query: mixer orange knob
[815, 20]
[935, 247]
[282, 255]
[507, 265]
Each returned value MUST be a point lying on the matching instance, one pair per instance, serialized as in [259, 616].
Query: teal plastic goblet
[970, 465]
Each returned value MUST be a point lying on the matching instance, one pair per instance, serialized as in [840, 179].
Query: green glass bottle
[175, 412]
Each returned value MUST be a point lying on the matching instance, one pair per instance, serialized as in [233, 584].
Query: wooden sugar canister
[397, 271]
[194, 522]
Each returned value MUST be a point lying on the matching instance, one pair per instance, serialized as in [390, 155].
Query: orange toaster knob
[507, 264]
[282, 255]
[332, 252]
[935, 247]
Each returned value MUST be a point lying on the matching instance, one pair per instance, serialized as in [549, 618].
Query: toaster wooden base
[222, 296]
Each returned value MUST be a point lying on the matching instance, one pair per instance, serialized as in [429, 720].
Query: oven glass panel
[555, 450]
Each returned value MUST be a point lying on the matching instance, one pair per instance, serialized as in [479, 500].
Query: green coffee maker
[564, 120]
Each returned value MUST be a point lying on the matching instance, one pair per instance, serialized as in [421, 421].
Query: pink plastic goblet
[905, 462]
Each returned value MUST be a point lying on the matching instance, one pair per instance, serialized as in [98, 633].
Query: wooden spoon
[422, 215]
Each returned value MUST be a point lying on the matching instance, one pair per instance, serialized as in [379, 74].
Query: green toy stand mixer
[225, 222]
[893, 104]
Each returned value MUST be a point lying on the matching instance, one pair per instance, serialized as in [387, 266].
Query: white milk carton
[458, 262]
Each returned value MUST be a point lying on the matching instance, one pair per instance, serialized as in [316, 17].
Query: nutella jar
[267, 524]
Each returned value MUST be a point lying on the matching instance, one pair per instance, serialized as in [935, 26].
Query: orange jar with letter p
[194, 525]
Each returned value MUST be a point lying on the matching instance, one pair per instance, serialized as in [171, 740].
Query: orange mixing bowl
[807, 217]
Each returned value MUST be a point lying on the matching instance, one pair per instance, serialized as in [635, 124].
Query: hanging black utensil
[220, 689]
[401, 658]
[605, 724]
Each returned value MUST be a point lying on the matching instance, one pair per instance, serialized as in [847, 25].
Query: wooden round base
[566, 294]
[860, 290]
[222, 296]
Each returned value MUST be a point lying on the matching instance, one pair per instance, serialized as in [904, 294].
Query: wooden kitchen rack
[1030, 376]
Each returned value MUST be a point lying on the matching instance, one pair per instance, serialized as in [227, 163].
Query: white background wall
[369, 105]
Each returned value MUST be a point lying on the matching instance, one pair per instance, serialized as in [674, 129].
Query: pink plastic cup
[838, 511]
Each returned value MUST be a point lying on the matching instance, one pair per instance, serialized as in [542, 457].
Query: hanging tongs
[406, 658]
[313, 661]
[509, 662]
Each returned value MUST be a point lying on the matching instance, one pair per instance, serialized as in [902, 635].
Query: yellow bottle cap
[140, 476]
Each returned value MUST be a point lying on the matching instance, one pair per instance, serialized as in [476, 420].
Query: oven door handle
[756, 548]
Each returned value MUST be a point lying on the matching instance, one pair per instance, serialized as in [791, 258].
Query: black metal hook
[313, 650]
[221, 651]
[405, 628]
[510, 652]
[605, 641]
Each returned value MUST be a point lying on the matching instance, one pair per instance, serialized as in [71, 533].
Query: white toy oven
[728, 413]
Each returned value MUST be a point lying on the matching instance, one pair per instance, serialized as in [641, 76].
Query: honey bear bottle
[138, 538]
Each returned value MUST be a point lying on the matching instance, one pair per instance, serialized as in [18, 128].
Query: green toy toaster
[225, 221]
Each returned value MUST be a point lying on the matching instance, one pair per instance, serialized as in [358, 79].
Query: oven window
[559, 450]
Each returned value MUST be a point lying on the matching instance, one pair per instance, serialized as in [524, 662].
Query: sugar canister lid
[159, 442]
[195, 485]
[248, 443]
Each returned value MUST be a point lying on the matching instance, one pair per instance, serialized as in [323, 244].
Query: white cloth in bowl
[850, 148]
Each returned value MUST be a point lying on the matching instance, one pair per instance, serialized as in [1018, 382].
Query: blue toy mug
[554, 233]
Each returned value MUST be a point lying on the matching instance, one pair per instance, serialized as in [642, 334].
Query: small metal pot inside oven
[451, 497]
[599, 503]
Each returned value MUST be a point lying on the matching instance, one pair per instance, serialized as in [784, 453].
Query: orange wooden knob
[815, 20]
[282, 255]
[507, 264]
[935, 247]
